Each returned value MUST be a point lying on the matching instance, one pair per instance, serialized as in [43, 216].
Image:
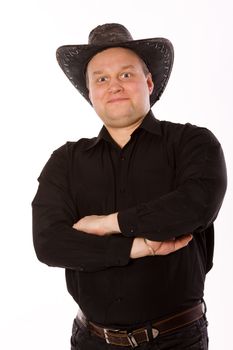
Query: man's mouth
[119, 99]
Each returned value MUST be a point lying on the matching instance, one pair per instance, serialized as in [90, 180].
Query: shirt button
[119, 300]
[122, 158]
[131, 230]
[122, 190]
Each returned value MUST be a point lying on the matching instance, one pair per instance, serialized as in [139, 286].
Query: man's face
[119, 89]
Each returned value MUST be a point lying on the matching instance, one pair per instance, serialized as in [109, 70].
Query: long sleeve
[193, 204]
[54, 213]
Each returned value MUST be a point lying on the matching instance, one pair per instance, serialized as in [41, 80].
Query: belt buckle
[130, 336]
[106, 336]
[132, 340]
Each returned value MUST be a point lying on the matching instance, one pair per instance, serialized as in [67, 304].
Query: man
[129, 214]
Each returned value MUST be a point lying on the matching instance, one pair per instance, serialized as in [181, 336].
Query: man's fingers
[182, 241]
[171, 245]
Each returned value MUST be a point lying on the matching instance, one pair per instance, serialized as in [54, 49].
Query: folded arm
[56, 242]
[105, 225]
[194, 203]
[191, 207]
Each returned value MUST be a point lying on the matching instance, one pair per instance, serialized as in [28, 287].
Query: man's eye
[126, 75]
[101, 79]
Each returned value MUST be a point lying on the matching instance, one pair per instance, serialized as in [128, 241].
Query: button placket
[122, 177]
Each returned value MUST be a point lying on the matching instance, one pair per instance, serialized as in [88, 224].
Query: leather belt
[138, 336]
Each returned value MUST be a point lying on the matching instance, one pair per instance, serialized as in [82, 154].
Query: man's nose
[115, 87]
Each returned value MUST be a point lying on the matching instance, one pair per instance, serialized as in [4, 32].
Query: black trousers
[191, 337]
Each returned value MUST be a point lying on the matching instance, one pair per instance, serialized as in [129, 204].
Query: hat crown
[109, 33]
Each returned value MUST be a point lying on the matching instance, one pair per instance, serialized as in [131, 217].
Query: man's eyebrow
[97, 72]
[128, 66]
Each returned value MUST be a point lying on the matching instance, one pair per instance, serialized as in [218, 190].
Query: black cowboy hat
[157, 53]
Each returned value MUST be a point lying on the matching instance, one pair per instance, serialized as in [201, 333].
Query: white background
[41, 110]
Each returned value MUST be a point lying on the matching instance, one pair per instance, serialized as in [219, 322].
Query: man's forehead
[129, 58]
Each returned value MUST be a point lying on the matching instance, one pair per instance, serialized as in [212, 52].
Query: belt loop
[149, 331]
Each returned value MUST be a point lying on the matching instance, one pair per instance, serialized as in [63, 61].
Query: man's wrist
[150, 249]
[111, 222]
[139, 248]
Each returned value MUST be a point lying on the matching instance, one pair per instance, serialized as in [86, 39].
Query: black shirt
[168, 180]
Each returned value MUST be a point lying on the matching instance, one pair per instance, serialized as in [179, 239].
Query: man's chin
[119, 118]
[123, 121]
[119, 112]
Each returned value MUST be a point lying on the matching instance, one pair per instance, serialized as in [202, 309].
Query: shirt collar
[149, 123]
[103, 135]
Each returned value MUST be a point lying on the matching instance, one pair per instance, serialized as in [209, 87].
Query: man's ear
[150, 83]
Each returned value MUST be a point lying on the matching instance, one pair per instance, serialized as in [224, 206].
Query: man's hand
[99, 225]
[169, 246]
[140, 246]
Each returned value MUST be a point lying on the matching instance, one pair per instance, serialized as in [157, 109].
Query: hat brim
[157, 53]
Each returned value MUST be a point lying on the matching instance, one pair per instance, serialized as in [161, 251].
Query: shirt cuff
[118, 250]
[128, 222]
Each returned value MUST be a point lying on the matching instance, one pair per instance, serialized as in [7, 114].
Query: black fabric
[169, 180]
